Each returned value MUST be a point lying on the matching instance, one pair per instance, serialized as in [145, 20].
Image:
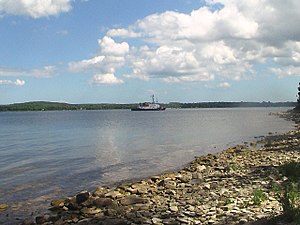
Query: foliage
[291, 170]
[46, 106]
[290, 201]
[289, 196]
[258, 196]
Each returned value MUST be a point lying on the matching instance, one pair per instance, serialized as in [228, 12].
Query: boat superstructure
[149, 106]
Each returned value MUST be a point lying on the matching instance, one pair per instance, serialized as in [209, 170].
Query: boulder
[82, 197]
[130, 200]
[102, 202]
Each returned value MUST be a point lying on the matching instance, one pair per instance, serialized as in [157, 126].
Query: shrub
[289, 196]
[258, 196]
[291, 170]
[290, 201]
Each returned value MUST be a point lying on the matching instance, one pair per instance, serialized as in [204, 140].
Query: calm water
[45, 155]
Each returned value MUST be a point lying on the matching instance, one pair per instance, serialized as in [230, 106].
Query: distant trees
[50, 106]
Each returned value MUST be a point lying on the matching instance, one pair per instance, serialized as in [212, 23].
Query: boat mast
[152, 98]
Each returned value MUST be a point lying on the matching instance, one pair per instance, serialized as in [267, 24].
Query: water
[45, 155]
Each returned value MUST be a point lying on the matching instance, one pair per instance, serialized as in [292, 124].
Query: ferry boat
[149, 106]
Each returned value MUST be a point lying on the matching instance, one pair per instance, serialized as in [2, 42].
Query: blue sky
[92, 51]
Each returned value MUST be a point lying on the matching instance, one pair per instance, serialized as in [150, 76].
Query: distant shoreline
[58, 106]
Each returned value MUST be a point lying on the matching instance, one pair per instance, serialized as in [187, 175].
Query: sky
[112, 51]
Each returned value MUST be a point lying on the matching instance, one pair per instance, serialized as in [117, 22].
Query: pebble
[3, 207]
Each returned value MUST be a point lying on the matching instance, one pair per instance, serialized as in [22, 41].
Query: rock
[111, 212]
[40, 220]
[182, 220]
[82, 196]
[201, 168]
[243, 220]
[114, 194]
[71, 204]
[110, 221]
[28, 222]
[90, 211]
[58, 203]
[132, 190]
[100, 192]
[167, 183]
[156, 220]
[191, 208]
[185, 178]
[174, 208]
[141, 189]
[206, 186]
[102, 202]
[132, 200]
[3, 207]
[211, 221]
[155, 178]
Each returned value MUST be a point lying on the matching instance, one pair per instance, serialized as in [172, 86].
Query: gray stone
[174, 208]
[82, 196]
[129, 200]
[103, 202]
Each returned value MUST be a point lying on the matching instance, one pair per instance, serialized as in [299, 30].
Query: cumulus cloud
[223, 40]
[34, 8]
[123, 33]
[210, 43]
[111, 48]
[108, 79]
[112, 56]
[17, 82]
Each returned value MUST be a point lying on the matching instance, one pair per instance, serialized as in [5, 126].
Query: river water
[46, 155]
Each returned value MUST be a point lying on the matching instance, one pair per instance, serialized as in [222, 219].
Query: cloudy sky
[94, 51]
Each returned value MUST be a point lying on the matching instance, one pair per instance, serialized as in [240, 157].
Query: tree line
[50, 106]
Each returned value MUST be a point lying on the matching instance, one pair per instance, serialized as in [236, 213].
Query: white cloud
[86, 64]
[111, 48]
[286, 71]
[224, 85]
[34, 8]
[164, 61]
[111, 57]
[17, 82]
[107, 79]
[123, 33]
[219, 53]
[45, 72]
[218, 44]
[210, 43]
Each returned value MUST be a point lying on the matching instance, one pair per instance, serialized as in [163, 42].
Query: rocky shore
[236, 186]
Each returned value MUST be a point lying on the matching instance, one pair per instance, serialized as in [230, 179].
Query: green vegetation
[230, 104]
[47, 106]
[291, 170]
[289, 195]
[234, 167]
[258, 196]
